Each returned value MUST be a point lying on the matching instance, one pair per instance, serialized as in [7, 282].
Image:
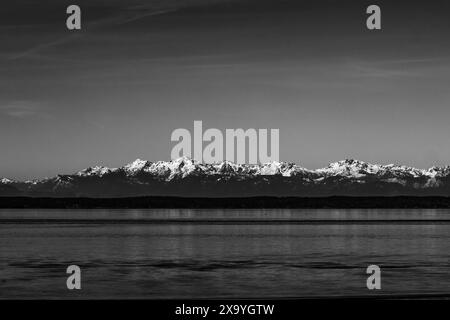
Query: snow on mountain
[159, 175]
[179, 168]
[281, 168]
[435, 172]
[6, 181]
[60, 182]
[136, 166]
[404, 171]
[350, 168]
[184, 167]
[229, 168]
[94, 171]
[167, 170]
[391, 173]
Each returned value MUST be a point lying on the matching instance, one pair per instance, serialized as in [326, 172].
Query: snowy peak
[226, 168]
[6, 181]
[350, 168]
[438, 171]
[181, 168]
[357, 169]
[185, 166]
[282, 168]
[272, 168]
[136, 166]
[94, 171]
[168, 170]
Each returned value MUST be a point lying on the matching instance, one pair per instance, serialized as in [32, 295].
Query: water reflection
[217, 260]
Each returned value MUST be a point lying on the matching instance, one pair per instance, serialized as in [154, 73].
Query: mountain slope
[187, 177]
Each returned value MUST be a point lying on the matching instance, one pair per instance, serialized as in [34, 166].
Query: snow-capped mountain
[94, 171]
[350, 168]
[184, 167]
[6, 181]
[188, 177]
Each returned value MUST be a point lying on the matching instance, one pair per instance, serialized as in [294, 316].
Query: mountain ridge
[188, 177]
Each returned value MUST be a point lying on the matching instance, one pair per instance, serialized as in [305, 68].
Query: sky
[115, 90]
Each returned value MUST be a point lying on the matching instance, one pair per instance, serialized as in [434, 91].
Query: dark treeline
[251, 202]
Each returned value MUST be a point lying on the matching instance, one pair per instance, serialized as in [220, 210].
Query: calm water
[222, 253]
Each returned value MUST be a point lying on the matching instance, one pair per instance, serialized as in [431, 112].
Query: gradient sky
[115, 90]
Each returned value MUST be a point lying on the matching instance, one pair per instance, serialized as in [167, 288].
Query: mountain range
[189, 178]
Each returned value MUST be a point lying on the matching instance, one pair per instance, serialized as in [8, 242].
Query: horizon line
[196, 162]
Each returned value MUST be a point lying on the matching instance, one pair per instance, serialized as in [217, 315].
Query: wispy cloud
[20, 109]
[394, 67]
[119, 19]
[43, 46]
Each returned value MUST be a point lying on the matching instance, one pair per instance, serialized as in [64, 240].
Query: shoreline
[158, 202]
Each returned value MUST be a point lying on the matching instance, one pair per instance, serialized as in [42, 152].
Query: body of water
[223, 253]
